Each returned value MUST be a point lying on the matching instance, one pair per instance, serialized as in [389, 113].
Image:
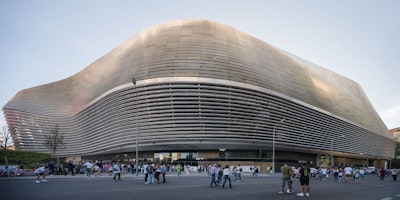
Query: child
[340, 175]
[40, 172]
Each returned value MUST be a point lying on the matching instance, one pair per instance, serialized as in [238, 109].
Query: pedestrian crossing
[390, 198]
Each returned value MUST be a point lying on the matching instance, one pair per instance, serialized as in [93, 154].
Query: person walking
[286, 178]
[60, 170]
[362, 173]
[256, 171]
[382, 173]
[213, 171]
[106, 168]
[178, 171]
[234, 173]
[340, 174]
[348, 172]
[40, 172]
[219, 173]
[51, 168]
[239, 173]
[70, 168]
[95, 169]
[146, 175]
[227, 176]
[187, 169]
[117, 171]
[99, 167]
[88, 166]
[150, 171]
[356, 173]
[158, 172]
[304, 177]
[394, 173]
[324, 173]
[163, 171]
[336, 173]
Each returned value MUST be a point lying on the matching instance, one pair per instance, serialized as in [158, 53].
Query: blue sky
[43, 41]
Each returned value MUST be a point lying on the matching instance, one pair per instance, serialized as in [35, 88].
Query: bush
[24, 158]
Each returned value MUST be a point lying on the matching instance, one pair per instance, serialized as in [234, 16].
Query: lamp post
[331, 152]
[137, 129]
[273, 146]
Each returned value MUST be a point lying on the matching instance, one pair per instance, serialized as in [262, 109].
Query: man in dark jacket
[70, 168]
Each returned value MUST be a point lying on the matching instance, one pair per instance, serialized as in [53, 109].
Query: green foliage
[395, 162]
[398, 148]
[23, 157]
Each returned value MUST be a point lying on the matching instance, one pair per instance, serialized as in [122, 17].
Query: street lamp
[137, 129]
[273, 146]
[331, 152]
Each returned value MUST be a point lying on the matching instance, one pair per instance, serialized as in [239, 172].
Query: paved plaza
[190, 187]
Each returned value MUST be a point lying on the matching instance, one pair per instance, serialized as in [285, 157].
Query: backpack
[149, 169]
[220, 173]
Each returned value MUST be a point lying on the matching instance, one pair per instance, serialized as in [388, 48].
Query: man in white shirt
[88, 166]
[239, 173]
[40, 172]
[226, 174]
[362, 173]
[324, 173]
[348, 172]
[213, 171]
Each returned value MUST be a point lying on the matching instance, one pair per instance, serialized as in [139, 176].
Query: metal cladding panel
[199, 53]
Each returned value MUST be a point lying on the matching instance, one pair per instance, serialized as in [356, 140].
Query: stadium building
[201, 91]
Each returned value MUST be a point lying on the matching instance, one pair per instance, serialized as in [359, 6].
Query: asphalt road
[192, 187]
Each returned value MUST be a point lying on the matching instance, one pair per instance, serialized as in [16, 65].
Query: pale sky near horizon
[43, 41]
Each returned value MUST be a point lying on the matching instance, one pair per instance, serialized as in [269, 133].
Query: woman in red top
[382, 172]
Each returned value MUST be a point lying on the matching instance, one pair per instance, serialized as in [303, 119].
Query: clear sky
[42, 41]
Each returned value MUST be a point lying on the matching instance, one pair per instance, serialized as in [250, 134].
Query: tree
[395, 163]
[6, 136]
[54, 140]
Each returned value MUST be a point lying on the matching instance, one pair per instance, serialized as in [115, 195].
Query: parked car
[370, 170]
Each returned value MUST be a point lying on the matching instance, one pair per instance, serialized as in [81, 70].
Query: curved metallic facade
[200, 85]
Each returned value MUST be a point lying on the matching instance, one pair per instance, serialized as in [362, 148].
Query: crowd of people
[304, 173]
[155, 173]
[9, 171]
